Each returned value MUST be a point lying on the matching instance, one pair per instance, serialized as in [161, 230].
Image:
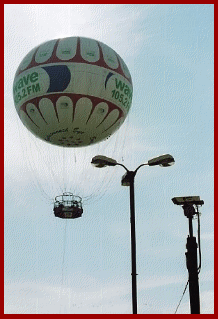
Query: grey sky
[83, 266]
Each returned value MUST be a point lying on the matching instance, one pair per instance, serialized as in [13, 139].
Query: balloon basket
[68, 206]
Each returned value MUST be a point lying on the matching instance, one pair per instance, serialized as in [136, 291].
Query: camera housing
[191, 200]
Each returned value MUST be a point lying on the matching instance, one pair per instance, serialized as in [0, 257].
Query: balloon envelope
[73, 91]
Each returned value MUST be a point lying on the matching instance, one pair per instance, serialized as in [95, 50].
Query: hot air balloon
[73, 91]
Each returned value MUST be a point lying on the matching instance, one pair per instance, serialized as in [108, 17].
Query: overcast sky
[55, 266]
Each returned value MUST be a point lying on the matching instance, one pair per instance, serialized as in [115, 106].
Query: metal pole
[191, 259]
[133, 242]
[190, 226]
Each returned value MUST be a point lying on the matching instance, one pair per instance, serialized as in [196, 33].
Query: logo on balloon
[107, 78]
[60, 77]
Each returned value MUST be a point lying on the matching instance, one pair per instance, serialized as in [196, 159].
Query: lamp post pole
[133, 241]
[128, 180]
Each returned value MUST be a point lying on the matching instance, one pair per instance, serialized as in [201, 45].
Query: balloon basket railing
[68, 206]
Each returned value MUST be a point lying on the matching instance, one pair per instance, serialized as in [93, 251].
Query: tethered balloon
[72, 92]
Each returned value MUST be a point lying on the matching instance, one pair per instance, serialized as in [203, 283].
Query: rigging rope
[182, 296]
[26, 148]
[116, 152]
[56, 169]
[62, 268]
[199, 240]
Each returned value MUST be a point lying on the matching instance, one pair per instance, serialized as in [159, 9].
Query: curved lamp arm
[139, 167]
[123, 166]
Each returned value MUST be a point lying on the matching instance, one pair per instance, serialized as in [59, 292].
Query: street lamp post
[130, 177]
[128, 180]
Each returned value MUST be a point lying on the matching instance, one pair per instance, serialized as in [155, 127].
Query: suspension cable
[199, 240]
[63, 261]
[181, 297]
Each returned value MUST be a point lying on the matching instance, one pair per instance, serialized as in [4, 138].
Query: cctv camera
[191, 200]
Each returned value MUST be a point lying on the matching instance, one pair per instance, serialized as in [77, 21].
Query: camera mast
[190, 207]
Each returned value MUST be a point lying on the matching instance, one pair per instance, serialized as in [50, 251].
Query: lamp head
[102, 161]
[163, 160]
